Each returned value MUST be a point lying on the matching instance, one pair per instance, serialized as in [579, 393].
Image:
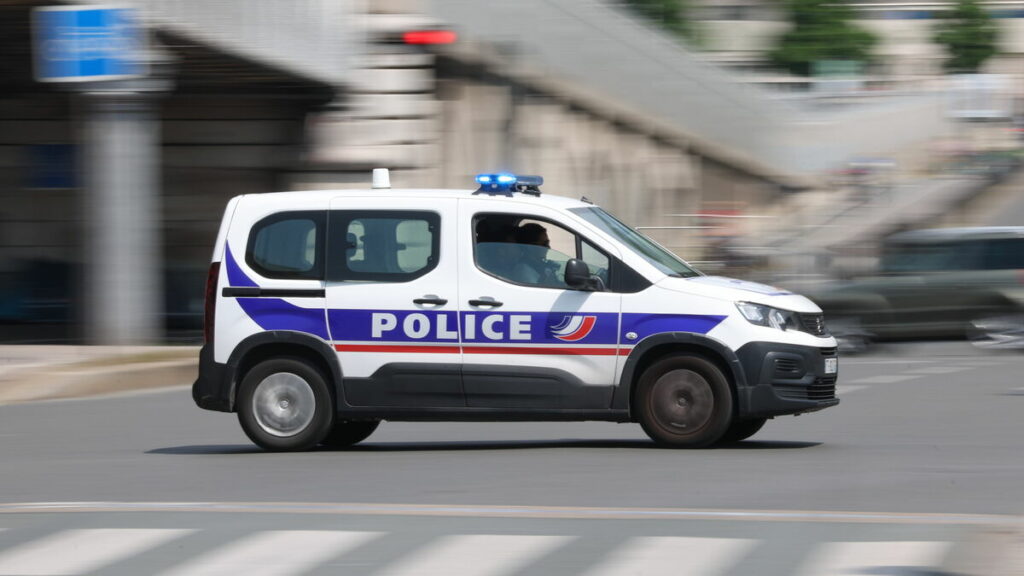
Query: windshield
[651, 251]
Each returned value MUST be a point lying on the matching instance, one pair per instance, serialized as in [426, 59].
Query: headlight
[762, 315]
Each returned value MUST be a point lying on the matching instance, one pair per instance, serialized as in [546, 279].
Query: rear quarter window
[288, 245]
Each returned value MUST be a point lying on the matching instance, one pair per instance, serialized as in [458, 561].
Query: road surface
[922, 455]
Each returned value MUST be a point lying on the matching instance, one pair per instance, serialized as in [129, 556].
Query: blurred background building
[739, 34]
[113, 191]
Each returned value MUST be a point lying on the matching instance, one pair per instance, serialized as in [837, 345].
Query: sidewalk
[46, 372]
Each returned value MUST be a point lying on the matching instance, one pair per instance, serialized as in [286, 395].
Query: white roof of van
[313, 195]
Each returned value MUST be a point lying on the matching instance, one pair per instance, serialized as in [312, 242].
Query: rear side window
[288, 245]
[382, 245]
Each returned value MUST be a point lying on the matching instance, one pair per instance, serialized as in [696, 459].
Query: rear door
[392, 298]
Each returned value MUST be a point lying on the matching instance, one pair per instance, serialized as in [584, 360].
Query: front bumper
[785, 379]
[212, 390]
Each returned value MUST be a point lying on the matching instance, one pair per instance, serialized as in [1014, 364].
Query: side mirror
[578, 277]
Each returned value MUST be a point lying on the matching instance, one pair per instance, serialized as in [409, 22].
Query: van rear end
[207, 390]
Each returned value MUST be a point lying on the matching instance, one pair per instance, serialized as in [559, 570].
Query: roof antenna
[381, 178]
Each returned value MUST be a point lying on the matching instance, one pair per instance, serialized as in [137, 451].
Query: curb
[995, 551]
[104, 374]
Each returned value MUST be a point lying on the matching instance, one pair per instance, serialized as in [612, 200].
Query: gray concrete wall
[472, 123]
[438, 117]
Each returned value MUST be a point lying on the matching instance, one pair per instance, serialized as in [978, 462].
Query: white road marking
[81, 551]
[872, 558]
[938, 369]
[672, 556]
[475, 555]
[274, 553]
[885, 379]
[844, 389]
[482, 511]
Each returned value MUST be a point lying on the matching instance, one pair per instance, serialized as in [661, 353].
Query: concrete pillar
[123, 267]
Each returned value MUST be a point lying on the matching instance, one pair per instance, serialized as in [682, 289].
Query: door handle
[492, 303]
[434, 300]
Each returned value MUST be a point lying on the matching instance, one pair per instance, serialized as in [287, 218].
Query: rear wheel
[1004, 331]
[284, 405]
[741, 430]
[684, 401]
[346, 434]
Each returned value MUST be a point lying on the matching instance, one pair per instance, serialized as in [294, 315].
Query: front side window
[383, 246]
[287, 245]
[1004, 254]
[531, 252]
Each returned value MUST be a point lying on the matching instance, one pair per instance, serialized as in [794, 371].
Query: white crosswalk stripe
[672, 556]
[872, 558]
[81, 551]
[475, 555]
[275, 553]
[292, 552]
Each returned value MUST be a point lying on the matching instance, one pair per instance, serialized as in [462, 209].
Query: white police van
[329, 311]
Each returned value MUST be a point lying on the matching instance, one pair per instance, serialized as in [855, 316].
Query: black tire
[284, 405]
[345, 434]
[684, 401]
[1003, 331]
[741, 430]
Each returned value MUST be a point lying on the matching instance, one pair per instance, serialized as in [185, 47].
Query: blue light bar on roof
[506, 184]
[503, 179]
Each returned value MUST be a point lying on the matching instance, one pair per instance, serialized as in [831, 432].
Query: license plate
[831, 365]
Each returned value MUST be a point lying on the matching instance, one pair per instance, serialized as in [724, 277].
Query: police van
[330, 311]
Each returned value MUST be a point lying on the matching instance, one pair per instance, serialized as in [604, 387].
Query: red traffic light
[430, 37]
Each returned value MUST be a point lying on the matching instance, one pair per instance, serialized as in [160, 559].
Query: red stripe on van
[572, 351]
[565, 351]
[396, 348]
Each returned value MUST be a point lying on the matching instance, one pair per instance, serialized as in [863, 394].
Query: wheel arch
[279, 343]
[652, 349]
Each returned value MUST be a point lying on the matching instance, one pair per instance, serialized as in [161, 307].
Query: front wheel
[684, 401]
[741, 430]
[284, 405]
[1005, 331]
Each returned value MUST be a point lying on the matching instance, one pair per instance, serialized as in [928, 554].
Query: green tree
[822, 30]
[969, 35]
[672, 15]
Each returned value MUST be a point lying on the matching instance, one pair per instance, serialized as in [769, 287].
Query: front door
[392, 297]
[528, 340]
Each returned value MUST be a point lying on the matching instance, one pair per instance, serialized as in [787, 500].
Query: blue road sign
[75, 44]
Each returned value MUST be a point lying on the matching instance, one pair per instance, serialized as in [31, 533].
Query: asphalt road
[923, 453]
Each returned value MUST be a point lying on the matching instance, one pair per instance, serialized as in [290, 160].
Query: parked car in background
[937, 283]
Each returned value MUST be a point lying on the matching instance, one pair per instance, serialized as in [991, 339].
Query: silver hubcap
[682, 401]
[283, 404]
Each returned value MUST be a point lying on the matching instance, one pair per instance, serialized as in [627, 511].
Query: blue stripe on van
[355, 325]
[274, 313]
[649, 324]
[236, 277]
